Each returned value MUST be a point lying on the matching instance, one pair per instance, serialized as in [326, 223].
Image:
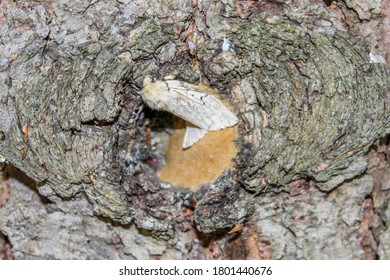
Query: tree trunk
[80, 155]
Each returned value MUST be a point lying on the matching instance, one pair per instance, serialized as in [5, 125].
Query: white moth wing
[193, 134]
[193, 105]
[376, 58]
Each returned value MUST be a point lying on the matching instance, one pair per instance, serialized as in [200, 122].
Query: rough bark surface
[299, 78]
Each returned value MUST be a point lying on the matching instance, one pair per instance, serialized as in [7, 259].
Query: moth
[226, 45]
[201, 111]
[376, 58]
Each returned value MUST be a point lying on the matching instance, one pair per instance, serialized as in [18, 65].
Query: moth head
[148, 80]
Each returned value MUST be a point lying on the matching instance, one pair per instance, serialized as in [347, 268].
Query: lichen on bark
[308, 100]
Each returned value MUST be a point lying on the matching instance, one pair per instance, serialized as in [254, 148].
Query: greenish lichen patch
[322, 103]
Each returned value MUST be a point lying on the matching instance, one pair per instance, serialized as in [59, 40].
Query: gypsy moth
[226, 45]
[376, 58]
[203, 112]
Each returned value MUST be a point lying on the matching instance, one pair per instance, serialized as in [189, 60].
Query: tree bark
[79, 176]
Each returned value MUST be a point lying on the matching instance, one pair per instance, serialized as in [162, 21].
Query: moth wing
[193, 105]
[193, 134]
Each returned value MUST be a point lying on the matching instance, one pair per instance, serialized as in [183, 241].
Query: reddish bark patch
[248, 244]
[5, 249]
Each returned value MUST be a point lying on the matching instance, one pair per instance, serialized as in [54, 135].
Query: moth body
[203, 112]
